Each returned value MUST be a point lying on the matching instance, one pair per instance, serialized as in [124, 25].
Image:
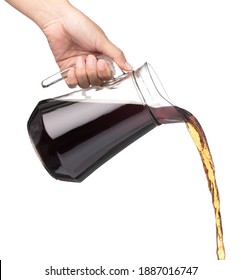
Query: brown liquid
[71, 145]
[201, 143]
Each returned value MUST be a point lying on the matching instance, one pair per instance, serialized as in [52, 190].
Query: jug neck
[150, 88]
[154, 96]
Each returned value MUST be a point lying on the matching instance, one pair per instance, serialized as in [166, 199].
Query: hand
[75, 40]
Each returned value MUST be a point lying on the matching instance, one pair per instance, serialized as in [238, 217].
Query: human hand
[77, 41]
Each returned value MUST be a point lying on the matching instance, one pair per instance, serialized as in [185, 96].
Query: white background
[150, 204]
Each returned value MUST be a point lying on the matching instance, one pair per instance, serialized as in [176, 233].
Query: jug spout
[167, 114]
[153, 94]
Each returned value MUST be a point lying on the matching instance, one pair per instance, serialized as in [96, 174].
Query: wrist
[49, 12]
[42, 12]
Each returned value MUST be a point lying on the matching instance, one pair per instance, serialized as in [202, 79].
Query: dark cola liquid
[74, 138]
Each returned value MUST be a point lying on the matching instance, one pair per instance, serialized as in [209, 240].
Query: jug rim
[150, 87]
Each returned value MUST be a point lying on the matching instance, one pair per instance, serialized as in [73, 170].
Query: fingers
[105, 71]
[81, 74]
[117, 55]
[71, 78]
[89, 72]
[121, 61]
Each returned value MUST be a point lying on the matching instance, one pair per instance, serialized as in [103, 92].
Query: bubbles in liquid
[200, 140]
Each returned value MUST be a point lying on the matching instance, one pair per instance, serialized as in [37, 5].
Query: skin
[75, 40]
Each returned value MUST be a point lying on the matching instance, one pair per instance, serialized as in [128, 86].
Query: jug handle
[59, 76]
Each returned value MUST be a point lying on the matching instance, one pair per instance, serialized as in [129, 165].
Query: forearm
[42, 12]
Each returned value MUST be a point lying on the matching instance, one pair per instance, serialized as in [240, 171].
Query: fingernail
[128, 66]
[71, 78]
[91, 60]
[101, 64]
[79, 62]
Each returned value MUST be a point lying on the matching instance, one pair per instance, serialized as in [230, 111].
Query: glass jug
[76, 133]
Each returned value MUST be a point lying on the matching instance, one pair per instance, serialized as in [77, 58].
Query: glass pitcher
[76, 133]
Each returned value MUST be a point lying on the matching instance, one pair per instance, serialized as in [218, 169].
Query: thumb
[117, 55]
